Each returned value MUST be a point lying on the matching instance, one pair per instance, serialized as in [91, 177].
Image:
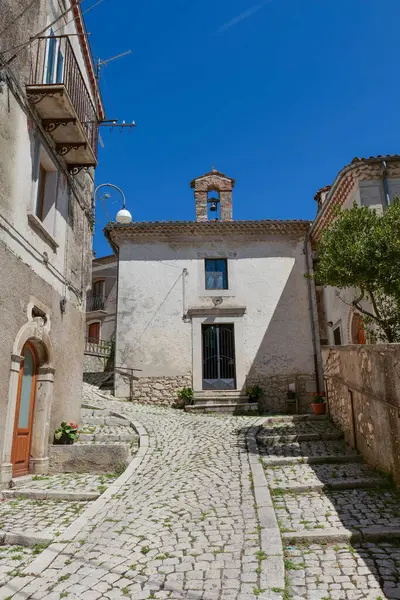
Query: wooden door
[94, 333]
[24, 413]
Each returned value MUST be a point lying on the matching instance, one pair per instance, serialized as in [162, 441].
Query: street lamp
[123, 216]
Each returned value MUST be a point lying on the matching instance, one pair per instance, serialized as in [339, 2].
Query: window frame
[216, 274]
[338, 328]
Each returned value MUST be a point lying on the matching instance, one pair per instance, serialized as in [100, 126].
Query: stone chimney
[216, 182]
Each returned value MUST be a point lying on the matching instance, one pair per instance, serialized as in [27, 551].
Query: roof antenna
[102, 63]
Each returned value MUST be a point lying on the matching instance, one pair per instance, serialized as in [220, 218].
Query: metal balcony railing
[98, 347]
[95, 303]
[54, 64]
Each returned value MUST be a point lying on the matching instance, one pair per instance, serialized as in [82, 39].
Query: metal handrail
[65, 71]
[96, 302]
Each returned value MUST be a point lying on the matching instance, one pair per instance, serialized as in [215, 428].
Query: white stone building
[214, 304]
[50, 107]
[372, 182]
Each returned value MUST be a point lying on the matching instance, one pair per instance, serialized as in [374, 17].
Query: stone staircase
[102, 426]
[222, 401]
[339, 518]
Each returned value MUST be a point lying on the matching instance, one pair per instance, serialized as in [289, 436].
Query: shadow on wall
[285, 355]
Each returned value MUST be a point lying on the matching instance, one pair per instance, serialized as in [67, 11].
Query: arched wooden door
[357, 330]
[24, 413]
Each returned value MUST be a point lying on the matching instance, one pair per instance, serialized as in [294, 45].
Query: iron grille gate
[219, 372]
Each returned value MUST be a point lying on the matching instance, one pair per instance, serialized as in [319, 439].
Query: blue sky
[278, 94]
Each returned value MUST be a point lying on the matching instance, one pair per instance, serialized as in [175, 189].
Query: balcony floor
[53, 105]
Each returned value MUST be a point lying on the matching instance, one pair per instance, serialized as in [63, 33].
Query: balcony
[58, 90]
[95, 303]
[98, 347]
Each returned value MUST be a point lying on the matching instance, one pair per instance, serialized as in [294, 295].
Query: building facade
[50, 107]
[213, 304]
[101, 318]
[371, 182]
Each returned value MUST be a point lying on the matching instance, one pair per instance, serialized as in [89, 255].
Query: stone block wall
[93, 363]
[275, 389]
[160, 391]
[363, 390]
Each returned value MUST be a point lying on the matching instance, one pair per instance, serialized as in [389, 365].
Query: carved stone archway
[36, 333]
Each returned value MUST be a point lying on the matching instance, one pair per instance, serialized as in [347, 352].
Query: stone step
[354, 510]
[230, 408]
[211, 401]
[88, 411]
[309, 451]
[372, 571]
[106, 420]
[216, 393]
[295, 418]
[312, 460]
[304, 477]
[301, 437]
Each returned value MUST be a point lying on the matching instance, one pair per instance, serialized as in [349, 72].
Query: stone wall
[161, 391]
[363, 389]
[93, 363]
[275, 392]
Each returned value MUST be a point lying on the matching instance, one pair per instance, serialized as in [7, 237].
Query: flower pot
[64, 440]
[319, 408]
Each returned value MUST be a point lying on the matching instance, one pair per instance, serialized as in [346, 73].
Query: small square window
[216, 270]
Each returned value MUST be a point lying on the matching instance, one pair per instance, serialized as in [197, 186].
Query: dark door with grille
[219, 371]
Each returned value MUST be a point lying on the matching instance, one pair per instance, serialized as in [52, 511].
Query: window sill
[40, 229]
[216, 293]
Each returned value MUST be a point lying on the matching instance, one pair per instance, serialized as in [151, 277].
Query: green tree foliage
[361, 250]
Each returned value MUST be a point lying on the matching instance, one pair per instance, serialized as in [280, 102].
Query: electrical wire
[20, 47]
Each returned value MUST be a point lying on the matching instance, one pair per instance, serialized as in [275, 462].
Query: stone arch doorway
[26, 442]
[23, 422]
[357, 330]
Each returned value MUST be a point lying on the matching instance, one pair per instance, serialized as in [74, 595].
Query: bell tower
[213, 196]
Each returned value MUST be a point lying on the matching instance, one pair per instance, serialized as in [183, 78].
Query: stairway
[222, 401]
[339, 518]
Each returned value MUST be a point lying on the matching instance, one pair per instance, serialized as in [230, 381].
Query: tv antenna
[112, 123]
[103, 63]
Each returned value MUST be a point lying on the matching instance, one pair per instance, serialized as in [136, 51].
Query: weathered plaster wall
[363, 386]
[20, 285]
[49, 263]
[160, 282]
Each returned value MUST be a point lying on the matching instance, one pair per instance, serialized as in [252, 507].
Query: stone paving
[47, 517]
[74, 482]
[349, 508]
[334, 475]
[330, 570]
[13, 559]
[184, 526]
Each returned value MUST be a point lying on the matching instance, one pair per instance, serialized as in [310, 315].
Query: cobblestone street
[185, 523]
[183, 526]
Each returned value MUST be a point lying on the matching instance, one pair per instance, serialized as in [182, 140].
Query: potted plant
[67, 433]
[185, 397]
[254, 393]
[318, 403]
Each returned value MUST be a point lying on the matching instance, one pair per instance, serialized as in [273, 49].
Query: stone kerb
[272, 575]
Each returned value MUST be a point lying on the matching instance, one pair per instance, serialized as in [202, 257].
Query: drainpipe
[385, 184]
[312, 304]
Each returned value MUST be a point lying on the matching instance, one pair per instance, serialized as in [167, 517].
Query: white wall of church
[159, 282]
